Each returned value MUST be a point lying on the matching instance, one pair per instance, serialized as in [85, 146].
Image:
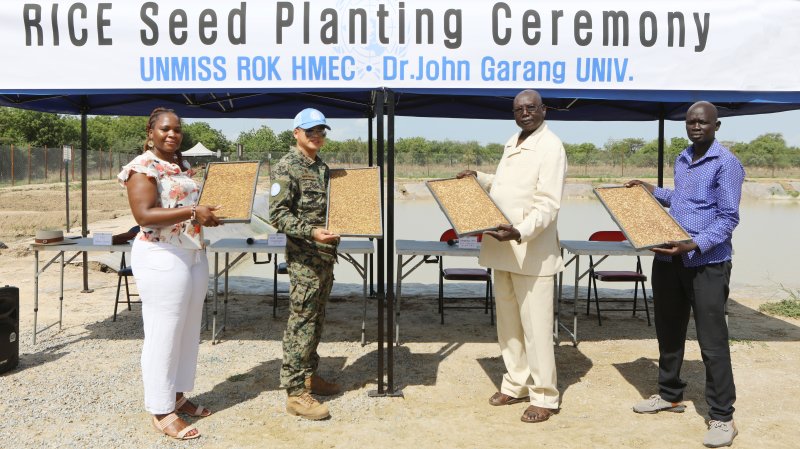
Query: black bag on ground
[9, 328]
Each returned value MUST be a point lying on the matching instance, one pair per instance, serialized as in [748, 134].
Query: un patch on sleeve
[275, 189]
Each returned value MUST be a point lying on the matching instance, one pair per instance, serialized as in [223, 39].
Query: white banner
[739, 45]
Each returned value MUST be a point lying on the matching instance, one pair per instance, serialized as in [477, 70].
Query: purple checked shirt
[705, 202]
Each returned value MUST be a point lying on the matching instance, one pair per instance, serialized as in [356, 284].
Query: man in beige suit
[525, 256]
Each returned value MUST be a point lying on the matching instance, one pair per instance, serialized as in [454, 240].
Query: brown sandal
[534, 414]
[499, 398]
[184, 406]
[167, 421]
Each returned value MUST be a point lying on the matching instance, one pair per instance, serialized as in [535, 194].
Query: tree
[9, 133]
[119, 134]
[256, 143]
[202, 132]
[767, 150]
[793, 153]
[581, 154]
[647, 156]
[286, 140]
[469, 157]
[620, 149]
[333, 148]
[38, 129]
[412, 145]
[355, 150]
[493, 151]
[490, 154]
[675, 147]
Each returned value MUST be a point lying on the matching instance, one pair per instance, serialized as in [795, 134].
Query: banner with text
[739, 45]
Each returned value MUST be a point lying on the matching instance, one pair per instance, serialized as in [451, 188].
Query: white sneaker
[720, 434]
[655, 404]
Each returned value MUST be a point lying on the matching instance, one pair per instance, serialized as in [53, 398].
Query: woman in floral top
[171, 271]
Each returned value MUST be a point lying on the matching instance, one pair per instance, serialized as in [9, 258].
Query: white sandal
[198, 412]
[165, 422]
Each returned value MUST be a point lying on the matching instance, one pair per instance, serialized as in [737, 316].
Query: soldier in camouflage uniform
[297, 207]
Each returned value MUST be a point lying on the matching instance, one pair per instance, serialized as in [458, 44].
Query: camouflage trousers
[311, 280]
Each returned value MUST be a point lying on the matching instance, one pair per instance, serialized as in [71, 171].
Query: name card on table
[469, 242]
[277, 239]
[101, 238]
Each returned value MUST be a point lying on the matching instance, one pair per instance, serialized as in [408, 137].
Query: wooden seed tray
[640, 216]
[354, 202]
[231, 185]
[466, 205]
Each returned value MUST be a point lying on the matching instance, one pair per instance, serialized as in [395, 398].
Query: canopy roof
[598, 105]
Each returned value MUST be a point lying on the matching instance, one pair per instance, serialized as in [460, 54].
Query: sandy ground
[81, 386]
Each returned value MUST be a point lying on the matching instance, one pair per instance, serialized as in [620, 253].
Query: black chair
[637, 277]
[464, 274]
[122, 274]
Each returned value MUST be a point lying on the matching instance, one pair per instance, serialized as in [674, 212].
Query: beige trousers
[525, 332]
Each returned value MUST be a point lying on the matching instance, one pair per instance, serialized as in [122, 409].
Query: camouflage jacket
[298, 203]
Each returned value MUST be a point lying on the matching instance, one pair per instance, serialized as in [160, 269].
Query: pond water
[764, 242]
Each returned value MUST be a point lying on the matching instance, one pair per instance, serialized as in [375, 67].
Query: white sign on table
[101, 238]
[469, 242]
[278, 239]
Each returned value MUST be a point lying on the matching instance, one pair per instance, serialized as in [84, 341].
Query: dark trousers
[677, 290]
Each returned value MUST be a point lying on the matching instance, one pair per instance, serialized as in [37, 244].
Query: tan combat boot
[305, 406]
[322, 387]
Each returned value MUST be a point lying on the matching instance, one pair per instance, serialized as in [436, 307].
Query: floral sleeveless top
[176, 188]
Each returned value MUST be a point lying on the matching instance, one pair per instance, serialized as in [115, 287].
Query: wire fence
[27, 165]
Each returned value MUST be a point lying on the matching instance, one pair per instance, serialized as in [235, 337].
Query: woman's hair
[152, 120]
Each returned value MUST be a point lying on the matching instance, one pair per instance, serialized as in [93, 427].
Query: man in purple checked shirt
[695, 275]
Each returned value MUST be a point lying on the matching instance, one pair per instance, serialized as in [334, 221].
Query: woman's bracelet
[194, 212]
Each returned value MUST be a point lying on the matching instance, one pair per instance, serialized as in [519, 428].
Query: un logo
[369, 56]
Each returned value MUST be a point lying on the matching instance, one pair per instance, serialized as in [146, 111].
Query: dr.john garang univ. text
[512, 24]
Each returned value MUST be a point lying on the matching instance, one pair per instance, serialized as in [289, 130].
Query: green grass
[788, 307]
[747, 343]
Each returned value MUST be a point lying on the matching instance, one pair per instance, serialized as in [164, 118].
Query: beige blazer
[527, 187]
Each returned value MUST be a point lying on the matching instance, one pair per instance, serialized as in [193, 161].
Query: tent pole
[379, 100]
[661, 145]
[390, 244]
[370, 117]
[84, 192]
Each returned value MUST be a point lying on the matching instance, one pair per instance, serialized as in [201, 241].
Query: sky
[739, 129]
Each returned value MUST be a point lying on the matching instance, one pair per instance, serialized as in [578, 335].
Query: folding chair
[464, 274]
[637, 277]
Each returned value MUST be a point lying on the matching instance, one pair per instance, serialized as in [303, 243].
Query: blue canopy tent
[384, 105]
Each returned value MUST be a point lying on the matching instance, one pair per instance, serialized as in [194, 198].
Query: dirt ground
[81, 386]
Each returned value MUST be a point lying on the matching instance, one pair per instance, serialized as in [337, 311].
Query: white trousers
[172, 284]
[525, 332]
